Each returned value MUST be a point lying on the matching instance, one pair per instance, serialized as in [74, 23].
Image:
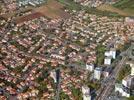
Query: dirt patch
[106, 7]
[52, 9]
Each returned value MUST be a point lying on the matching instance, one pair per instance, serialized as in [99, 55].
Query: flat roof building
[97, 73]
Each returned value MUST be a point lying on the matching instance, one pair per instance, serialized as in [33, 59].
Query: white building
[111, 53]
[128, 81]
[129, 20]
[108, 61]
[86, 97]
[132, 68]
[90, 67]
[53, 75]
[126, 92]
[131, 63]
[30, 2]
[122, 90]
[125, 89]
[85, 90]
[97, 73]
[86, 93]
[118, 88]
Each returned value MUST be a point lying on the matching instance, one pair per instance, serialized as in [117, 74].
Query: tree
[42, 88]
[123, 72]
[76, 93]
[130, 98]
[100, 50]
[63, 96]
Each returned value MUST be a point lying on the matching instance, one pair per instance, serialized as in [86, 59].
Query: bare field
[52, 9]
[106, 7]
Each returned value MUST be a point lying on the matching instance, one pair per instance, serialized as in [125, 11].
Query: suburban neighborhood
[52, 50]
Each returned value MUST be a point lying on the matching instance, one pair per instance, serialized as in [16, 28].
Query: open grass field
[70, 4]
[122, 7]
[52, 9]
[106, 7]
[125, 4]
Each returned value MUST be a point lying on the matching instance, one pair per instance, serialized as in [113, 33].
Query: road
[109, 86]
